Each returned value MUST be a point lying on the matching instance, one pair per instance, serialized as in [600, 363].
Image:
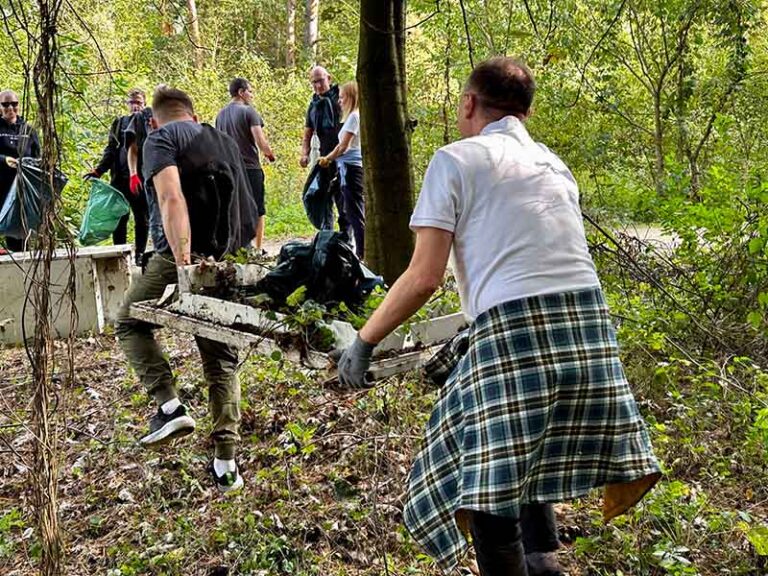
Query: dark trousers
[501, 543]
[354, 205]
[140, 218]
[330, 182]
[14, 244]
[151, 365]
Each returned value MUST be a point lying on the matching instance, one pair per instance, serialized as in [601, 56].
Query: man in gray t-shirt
[240, 121]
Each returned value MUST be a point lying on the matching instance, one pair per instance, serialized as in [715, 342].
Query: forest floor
[325, 474]
[324, 482]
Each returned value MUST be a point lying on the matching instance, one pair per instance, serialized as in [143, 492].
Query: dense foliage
[657, 106]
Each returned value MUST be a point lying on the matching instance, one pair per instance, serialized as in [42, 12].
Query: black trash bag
[28, 198]
[293, 270]
[318, 201]
[328, 267]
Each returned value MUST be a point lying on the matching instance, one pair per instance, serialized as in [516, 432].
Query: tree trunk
[385, 133]
[290, 41]
[43, 394]
[194, 33]
[311, 33]
[166, 26]
[658, 142]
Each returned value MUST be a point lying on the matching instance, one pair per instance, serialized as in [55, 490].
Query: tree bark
[194, 33]
[45, 479]
[385, 133]
[658, 143]
[166, 26]
[290, 41]
[311, 32]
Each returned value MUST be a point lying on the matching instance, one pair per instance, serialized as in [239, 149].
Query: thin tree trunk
[45, 469]
[658, 143]
[194, 33]
[311, 33]
[446, 105]
[166, 26]
[290, 41]
[385, 132]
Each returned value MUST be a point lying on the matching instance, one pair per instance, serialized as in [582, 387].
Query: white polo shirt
[513, 207]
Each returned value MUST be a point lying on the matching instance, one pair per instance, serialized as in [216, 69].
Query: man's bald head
[320, 79]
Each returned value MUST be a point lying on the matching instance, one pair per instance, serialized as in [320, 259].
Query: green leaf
[276, 355]
[756, 245]
[755, 318]
[757, 536]
[297, 296]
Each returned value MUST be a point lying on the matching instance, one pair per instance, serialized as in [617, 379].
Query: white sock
[223, 466]
[170, 406]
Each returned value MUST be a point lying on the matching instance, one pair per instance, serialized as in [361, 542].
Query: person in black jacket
[324, 121]
[115, 160]
[199, 204]
[17, 140]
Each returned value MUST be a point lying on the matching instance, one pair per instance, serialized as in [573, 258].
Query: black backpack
[222, 212]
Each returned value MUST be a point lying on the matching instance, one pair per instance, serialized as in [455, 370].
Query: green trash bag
[106, 205]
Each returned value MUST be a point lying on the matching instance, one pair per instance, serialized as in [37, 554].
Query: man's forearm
[177, 229]
[133, 159]
[173, 208]
[409, 293]
[306, 142]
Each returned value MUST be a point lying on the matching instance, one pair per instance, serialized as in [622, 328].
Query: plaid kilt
[537, 410]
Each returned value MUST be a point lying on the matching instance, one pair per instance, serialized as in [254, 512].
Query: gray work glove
[354, 364]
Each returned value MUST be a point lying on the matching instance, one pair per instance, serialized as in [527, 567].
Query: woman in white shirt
[349, 159]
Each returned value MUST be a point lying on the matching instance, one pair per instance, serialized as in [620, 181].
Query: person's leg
[539, 528]
[256, 183]
[120, 234]
[338, 198]
[325, 178]
[498, 545]
[141, 224]
[219, 367]
[146, 358]
[137, 338]
[354, 206]
[540, 539]
[14, 244]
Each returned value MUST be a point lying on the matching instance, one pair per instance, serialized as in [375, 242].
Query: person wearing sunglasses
[17, 140]
[114, 159]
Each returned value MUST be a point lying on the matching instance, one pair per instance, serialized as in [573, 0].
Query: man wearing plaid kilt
[534, 407]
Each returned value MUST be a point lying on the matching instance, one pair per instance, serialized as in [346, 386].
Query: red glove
[135, 184]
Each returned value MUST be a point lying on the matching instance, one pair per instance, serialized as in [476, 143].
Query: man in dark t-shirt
[324, 120]
[244, 125]
[175, 138]
[134, 135]
[114, 159]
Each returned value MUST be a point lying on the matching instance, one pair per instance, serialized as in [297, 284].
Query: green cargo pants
[145, 356]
